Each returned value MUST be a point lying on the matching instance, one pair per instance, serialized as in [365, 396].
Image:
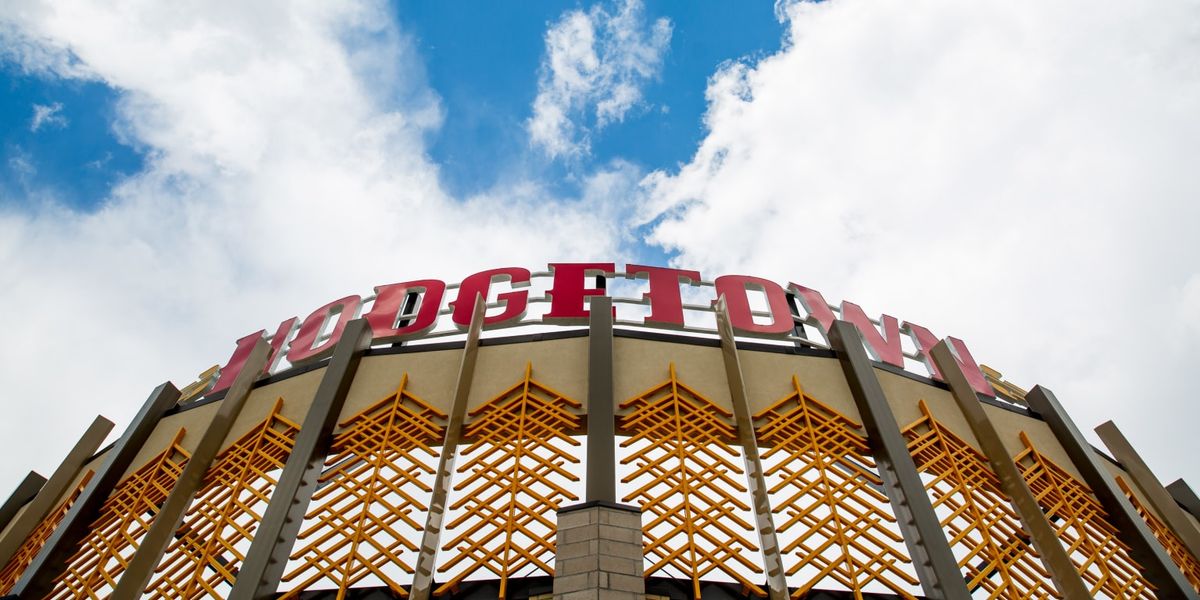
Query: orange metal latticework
[37, 538]
[124, 519]
[517, 467]
[220, 523]
[982, 528]
[1082, 525]
[1170, 542]
[685, 467]
[369, 511]
[832, 519]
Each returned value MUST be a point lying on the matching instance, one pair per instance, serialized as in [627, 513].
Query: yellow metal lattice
[832, 519]
[1174, 547]
[685, 467]
[984, 532]
[1082, 525]
[124, 519]
[367, 516]
[516, 473]
[37, 538]
[220, 523]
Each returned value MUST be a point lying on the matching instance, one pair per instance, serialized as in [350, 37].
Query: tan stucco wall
[431, 377]
[768, 379]
[561, 365]
[639, 365]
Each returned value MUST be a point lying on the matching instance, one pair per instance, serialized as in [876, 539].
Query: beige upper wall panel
[431, 377]
[639, 365]
[904, 396]
[769, 379]
[297, 393]
[1010, 425]
[195, 421]
[561, 365]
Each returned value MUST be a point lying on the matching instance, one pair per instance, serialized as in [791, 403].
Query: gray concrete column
[1144, 549]
[755, 479]
[38, 579]
[1055, 558]
[422, 586]
[935, 564]
[170, 515]
[1157, 495]
[598, 553]
[56, 487]
[259, 574]
[601, 480]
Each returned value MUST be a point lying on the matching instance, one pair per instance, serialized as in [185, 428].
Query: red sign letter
[666, 304]
[303, 350]
[238, 361]
[388, 303]
[567, 293]
[733, 287]
[480, 283]
[885, 347]
[816, 307]
[925, 341]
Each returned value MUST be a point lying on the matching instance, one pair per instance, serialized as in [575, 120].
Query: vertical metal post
[259, 575]
[1056, 560]
[935, 564]
[170, 515]
[55, 488]
[1179, 490]
[24, 493]
[757, 482]
[1155, 493]
[38, 579]
[601, 484]
[422, 586]
[1157, 566]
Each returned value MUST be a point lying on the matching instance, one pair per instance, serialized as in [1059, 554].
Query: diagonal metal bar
[935, 564]
[62, 480]
[137, 574]
[267, 557]
[1157, 566]
[422, 586]
[1158, 497]
[22, 495]
[38, 579]
[1012, 482]
[772, 557]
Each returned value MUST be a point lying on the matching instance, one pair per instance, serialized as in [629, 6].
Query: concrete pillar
[599, 553]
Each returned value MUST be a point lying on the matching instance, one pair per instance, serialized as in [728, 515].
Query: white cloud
[285, 167]
[592, 75]
[47, 114]
[1020, 174]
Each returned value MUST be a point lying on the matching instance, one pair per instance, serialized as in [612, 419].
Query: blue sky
[1017, 174]
[483, 63]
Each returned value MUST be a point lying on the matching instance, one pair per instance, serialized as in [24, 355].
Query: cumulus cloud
[1018, 174]
[47, 114]
[285, 166]
[592, 75]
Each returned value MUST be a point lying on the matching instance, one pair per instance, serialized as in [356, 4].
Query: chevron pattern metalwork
[689, 484]
[220, 523]
[832, 519]
[1082, 525]
[124, 519]
[516, 469]
[369, 510]
[1170, 542]
[37, 538]
[983, 530]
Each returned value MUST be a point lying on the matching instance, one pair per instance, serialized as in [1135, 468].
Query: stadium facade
[733, 438]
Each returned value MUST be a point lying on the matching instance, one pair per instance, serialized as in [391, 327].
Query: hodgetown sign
[424, 308]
